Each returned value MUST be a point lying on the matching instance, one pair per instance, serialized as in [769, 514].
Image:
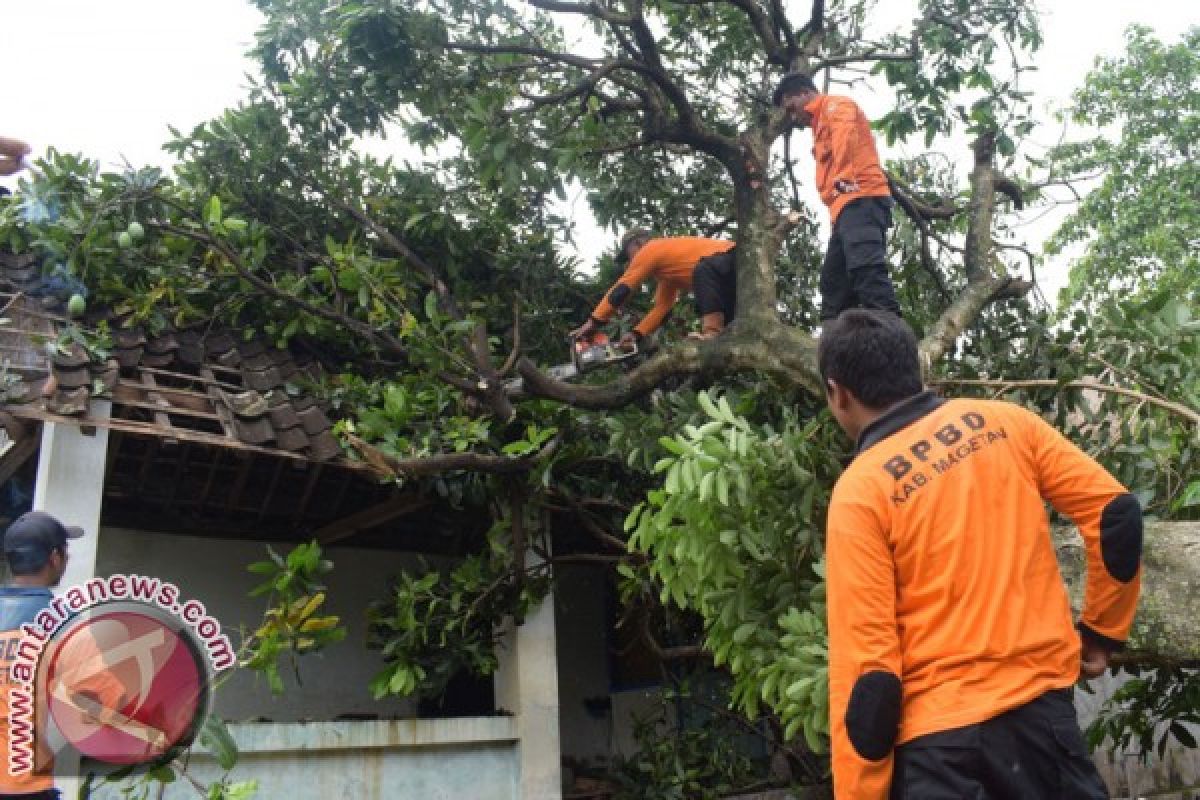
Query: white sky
[106, 77]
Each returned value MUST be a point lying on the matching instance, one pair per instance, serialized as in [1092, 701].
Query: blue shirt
[20, 604]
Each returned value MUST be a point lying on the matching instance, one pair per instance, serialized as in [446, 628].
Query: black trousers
[47, 794]
[714, 284]
[855, 271]
[1034, 752]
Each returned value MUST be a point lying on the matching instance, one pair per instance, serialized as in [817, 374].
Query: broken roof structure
[207, 426]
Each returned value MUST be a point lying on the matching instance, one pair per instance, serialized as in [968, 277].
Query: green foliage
[1148, 345]
[734, 535]
[1138, 224]
[674, 761]
[956, 80]
[436, 623]
[1149, 711]
[292, 624]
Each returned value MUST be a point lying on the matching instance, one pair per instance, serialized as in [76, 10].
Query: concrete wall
[1125, 773]
[470, 758]
[213, 571]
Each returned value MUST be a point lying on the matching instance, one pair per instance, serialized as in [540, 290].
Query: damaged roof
[203, 384]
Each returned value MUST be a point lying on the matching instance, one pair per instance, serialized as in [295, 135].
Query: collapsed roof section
[207, 385]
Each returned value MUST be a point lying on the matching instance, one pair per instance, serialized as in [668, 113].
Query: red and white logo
[125, 683]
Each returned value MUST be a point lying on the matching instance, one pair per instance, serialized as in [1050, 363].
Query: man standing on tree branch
[952, 650]
[853, 186]
[706, 267]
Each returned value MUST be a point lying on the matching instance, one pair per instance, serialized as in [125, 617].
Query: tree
[1139, 224]
[424, 288]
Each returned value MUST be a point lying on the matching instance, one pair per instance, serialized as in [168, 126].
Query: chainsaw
[587, 353]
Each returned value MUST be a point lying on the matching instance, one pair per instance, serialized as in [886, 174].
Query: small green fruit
[124, 240]
[76, 305]
[136, 230]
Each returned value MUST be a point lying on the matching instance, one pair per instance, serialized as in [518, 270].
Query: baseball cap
[31, 539]
[792, 83]
[636, 233]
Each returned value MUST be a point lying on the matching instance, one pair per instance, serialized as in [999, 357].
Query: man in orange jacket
[952, 651]
[706, 267]
[853, 186]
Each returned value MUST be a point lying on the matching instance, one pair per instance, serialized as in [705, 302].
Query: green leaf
[215, 736]
[212, 212]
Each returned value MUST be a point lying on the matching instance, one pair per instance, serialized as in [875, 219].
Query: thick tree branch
[869, 56]
[912, 205]
[1178, 409]
[390, 467]
[594, 10]
[963, 311]
[771, 349]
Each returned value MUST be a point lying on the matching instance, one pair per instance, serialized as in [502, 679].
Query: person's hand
[628, 341]
[1093, 660]
[584, 330]
[845, 187]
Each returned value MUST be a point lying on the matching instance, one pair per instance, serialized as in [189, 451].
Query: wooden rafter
[372, 517]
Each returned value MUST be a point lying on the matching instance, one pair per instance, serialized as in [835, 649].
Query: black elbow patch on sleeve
[1121, 537]
[619, 295]
[873, 714]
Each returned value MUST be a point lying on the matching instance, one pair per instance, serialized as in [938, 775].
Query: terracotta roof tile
[262, 380]
[69, 402]
[219, 342]
[258, 431]
[314, 421]
[129, 357]
[73, 377]
[294, 439]
[324, 446]
[71, 357]
[128, 338]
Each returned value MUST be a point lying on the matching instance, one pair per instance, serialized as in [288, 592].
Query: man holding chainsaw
[706, 267]
[853, 186]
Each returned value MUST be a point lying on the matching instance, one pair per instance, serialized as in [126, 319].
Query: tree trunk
[1167, 627]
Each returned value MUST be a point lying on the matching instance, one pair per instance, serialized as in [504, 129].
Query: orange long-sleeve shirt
[941, 572]
[671, 263]
[844, 150]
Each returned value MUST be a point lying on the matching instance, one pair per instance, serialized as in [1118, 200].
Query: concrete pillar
[527, 685]
[70, 485]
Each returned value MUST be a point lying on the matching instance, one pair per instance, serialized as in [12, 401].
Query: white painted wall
[213, 571]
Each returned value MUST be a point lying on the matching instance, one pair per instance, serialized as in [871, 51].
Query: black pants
[48, 794]
[714, 284]
[1034, 752]
[855, 271]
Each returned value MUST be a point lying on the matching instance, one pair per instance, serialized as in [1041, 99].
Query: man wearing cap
[852, 184]
[706, 267]
[35, 548]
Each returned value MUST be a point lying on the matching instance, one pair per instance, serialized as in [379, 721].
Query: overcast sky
[106, 77]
